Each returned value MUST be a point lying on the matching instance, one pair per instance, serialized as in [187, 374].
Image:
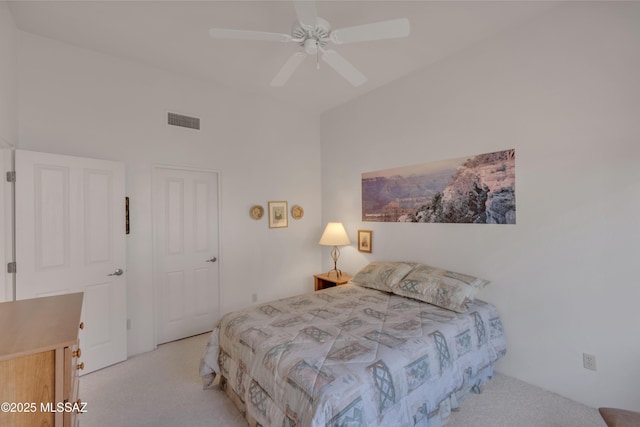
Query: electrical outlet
[589, 361]
[254, 297]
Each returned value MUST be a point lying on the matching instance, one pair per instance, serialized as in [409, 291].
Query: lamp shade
[334, 235]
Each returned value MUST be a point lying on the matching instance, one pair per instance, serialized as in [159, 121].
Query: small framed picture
[127, 224]
[278, 215]
[364, 241]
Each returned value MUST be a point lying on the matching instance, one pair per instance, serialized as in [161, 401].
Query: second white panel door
[186, 285]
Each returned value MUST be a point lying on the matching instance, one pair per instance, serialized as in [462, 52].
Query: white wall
[8, 137]
[8, 78]
[78, 102]
[563, 91]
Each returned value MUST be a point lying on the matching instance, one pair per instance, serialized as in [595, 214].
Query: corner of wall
[8, 78]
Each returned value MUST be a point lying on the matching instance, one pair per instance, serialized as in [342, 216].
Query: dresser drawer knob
[76, 353]
[81, 325]
[80, 366]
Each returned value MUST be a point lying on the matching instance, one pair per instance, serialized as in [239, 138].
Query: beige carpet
[162, 389]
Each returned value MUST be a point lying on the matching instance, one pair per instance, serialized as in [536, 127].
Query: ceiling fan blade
[392, 29]
[307, 12]
[288, 68]
[222, 33]
[343, 67]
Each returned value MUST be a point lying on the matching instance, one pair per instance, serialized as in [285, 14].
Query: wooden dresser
[38, 361]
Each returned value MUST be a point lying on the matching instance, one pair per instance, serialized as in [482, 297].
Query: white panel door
[186, 279]
[70, 237]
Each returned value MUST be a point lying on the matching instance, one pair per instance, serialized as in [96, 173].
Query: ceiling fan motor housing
[312, 38]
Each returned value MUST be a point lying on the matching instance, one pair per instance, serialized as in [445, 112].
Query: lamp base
[335, 254]
[338, 272]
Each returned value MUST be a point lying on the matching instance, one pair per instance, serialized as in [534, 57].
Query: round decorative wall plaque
[297, 212]
[256, 212]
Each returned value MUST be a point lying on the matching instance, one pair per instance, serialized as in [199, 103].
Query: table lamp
[335, 235]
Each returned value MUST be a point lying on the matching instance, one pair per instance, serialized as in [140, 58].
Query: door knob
[118, 272]
[214, 259]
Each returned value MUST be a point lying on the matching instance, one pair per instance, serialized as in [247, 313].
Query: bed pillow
[382, 275]
[446, 289]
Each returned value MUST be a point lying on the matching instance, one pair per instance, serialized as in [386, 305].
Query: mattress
[352, 356]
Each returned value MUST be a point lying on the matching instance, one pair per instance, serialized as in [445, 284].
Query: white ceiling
[173, 35]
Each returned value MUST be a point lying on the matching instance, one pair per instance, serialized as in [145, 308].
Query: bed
[361, 354]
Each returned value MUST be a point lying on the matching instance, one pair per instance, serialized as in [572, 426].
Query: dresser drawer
[71, 367]
[71, 418]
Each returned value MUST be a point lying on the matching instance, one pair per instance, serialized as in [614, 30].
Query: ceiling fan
[313, 34]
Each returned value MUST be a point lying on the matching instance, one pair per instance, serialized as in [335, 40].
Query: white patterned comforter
[352, 356]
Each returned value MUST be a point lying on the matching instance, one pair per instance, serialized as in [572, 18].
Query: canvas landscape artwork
[473, 190]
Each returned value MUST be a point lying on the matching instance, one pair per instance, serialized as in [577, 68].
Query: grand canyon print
[472, 190]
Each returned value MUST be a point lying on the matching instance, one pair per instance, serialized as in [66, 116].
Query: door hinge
[11, 176]
[12, 267]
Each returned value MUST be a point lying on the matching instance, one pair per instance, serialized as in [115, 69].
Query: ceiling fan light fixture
[311, 46]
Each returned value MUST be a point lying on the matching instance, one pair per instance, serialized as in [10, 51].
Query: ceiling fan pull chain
[318, 59]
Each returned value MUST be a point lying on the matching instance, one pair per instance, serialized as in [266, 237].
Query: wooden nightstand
[324, 281]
